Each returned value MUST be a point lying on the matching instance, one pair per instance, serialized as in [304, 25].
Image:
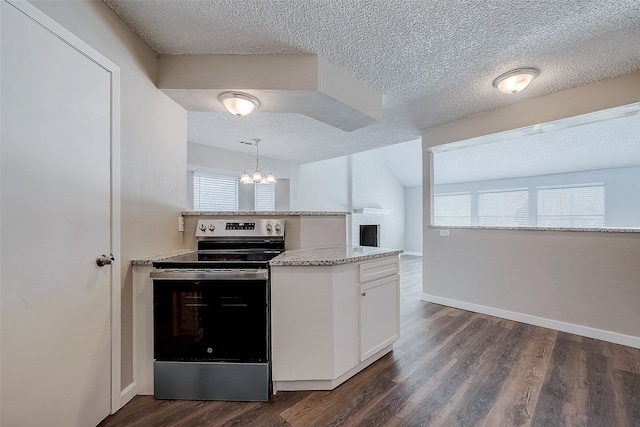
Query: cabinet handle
[364, 294]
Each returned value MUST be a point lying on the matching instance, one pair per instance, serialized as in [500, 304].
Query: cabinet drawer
[378, 269]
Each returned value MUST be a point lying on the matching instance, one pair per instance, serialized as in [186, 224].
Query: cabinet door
[379, 315]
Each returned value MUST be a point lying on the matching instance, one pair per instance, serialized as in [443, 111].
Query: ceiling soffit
[304, 84]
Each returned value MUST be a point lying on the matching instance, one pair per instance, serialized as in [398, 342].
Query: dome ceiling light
[515, 81]
[239, 103]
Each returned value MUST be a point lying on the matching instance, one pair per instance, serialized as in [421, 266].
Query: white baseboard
[127, 394]
[557, 325]
[412, 253]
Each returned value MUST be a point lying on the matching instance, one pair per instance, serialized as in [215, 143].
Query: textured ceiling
[433, 61]
[611, 143]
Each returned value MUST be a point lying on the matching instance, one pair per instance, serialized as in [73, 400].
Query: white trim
[128, 393]
[503, 190]
[411, 253]
[578, 185]
[557, 325]
[63, 34]
[373, 211]
[116, 246]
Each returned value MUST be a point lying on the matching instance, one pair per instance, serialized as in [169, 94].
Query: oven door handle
[238, 251]
[230, 274]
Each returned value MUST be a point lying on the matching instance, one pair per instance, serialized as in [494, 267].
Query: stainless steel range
[211, 313]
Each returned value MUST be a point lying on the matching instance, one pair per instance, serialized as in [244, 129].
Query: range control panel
[226, 228]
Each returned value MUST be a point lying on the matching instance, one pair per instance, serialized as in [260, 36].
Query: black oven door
[211, 320]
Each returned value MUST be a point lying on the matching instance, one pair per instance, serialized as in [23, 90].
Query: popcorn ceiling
[433, 61]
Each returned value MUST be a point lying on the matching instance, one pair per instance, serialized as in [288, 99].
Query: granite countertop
[484, 227]
[160, 257]
[333, 255]
[263, 213]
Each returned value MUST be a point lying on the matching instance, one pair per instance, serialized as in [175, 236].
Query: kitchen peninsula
[335, 310]
[334, 307]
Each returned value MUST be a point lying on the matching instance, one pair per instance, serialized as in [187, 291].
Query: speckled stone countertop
[160, 257]
[333, 255]
[263, 213]
[480, 227]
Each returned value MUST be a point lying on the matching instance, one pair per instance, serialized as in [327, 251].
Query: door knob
[103, 260]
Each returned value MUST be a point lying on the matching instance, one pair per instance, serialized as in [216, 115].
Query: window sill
[481, 227]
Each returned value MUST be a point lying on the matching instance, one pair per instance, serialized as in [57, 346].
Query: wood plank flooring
[450, 368]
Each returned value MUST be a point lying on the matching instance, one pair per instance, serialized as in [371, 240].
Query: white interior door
[55, 220]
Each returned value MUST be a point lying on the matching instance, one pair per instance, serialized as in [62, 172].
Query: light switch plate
[444, 232]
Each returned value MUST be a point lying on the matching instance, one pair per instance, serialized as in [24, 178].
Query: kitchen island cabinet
[334, 312]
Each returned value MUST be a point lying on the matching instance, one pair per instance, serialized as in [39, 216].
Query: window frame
[572, 218]
[524, 190]
[258, 198]
[461, 193]
[226, 206]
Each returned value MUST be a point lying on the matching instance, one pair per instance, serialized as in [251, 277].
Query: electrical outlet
[180, 223]
[444, 232]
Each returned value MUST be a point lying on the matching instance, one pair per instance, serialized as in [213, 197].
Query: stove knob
[212, 227]
[269, 228]
[278, 228]
[203, 227]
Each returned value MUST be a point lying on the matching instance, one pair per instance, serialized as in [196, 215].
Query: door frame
[118, 397]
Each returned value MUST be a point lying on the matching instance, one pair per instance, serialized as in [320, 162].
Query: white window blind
[265, 197]
[214, 192]
[506, 208]
[572, 206]
[452, 209]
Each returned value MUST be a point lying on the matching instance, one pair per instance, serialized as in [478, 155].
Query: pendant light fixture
[516, 80]
[239, 103]
[257, 177]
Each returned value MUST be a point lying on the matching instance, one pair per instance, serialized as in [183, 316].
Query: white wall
[321, 186]
[362, 180]
[583, 282]
[374, 185]
[413, 220]
[153, 146]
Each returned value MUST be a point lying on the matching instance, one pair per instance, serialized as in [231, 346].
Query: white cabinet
[379, 287]
[379, 315]
[323, 329]
[314, 328]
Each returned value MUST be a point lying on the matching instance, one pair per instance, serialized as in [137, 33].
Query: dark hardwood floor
[450, 368]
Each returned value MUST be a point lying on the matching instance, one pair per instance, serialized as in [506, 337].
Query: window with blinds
[572, 206]
[214, 192]
[504, 208]
[452, 209]
[265, 197]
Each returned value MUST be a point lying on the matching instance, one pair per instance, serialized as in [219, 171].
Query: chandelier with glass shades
[258, 177]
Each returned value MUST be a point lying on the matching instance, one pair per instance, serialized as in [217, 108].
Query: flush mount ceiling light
[238, 103]
[516, 80]
[257, 177]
